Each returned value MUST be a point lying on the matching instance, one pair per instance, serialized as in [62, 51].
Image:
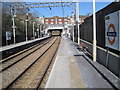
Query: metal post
[13, 12]
[107, 56]
[73, 27]
[26, 28]
[38, 33]
[94, 32]
[26, 31]
[77, 20]
[6, 39]
[13, 19]
[33, 30]
[40, 30]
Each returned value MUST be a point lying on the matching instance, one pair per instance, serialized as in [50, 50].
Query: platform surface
[72, 70]
[20, 44]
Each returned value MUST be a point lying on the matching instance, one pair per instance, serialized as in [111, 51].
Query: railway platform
[4, 48]
[6, 51]
[72, 69]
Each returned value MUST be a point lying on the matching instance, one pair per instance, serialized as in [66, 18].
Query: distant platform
[72, 70]
[4, 48]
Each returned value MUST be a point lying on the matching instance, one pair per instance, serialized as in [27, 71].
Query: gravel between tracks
[31, 78]
[48, 73]
[11, 73]
[9, 62]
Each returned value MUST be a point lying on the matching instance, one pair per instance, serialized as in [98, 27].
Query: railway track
[21, 52]
[12, 60]
[26, 78]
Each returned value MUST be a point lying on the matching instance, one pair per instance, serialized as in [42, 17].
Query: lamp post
[13, 19]
[38, 30]
[33, 30]
[13, 11]
[26, 27]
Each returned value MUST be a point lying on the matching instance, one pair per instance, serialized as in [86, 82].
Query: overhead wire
[62, 8]
[49, 11]
[38, 11]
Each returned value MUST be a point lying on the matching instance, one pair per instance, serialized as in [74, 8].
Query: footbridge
[60, 27]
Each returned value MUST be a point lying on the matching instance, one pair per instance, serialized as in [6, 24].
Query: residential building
[63, 20]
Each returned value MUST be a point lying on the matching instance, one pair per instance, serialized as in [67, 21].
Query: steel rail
[19, 53]
[41, 79]
[22, 58]
[9, 85]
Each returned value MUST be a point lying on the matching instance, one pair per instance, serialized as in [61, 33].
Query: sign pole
[107, 56]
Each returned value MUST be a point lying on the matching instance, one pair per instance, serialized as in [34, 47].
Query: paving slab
[72, 70]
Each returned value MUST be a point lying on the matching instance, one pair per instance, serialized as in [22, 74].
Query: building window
[46, 23]
[46, 19]
[60, 22]
[60, 19]
[52, 19]
[65, 19]
[65, 22]
[52, 23]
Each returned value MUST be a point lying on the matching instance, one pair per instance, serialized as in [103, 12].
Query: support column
[94, 32]
[77, 20]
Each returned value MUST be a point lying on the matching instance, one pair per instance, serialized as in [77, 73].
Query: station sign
[112, 30]
[8, 35]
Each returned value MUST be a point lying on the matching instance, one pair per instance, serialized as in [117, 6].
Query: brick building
[62, 20]
[56, 20]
